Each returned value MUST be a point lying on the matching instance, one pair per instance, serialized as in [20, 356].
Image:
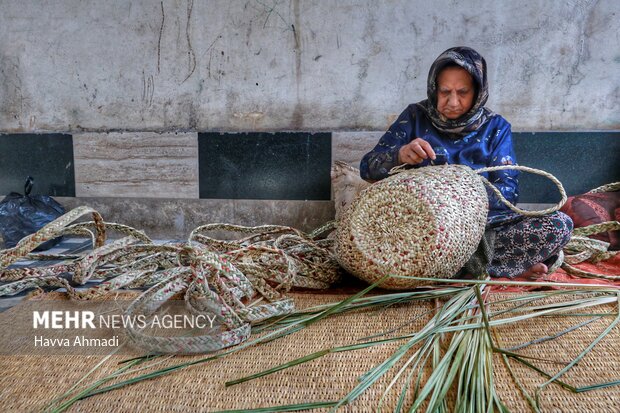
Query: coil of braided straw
[423, 222]
[241, 282]
[277, 251]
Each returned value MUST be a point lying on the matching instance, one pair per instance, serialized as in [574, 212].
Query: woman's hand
[415, 152]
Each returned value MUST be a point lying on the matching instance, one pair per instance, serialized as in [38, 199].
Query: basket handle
[614, 186]
[525, 169]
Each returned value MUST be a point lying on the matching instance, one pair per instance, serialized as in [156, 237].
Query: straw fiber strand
[599, 366]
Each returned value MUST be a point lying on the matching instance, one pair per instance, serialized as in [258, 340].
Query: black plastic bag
[22, 215]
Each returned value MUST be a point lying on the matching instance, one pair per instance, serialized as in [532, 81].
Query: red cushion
[588, 209]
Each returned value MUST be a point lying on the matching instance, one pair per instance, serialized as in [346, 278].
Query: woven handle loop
[525, 169]
[404, 167]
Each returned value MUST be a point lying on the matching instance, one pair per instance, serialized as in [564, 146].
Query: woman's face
[455, 92]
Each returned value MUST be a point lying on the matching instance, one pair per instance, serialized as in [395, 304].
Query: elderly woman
[453, 126]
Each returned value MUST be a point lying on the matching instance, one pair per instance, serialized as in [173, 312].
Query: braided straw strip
[220, 274]
[317, 265]
[261, 232]
[581, 273]
[597, 228]
[153, 298]
[263, 263]
[615, 186]
[81, 232]
[211, 279]
[100, 290]
[49, 257]
[85, 267]
[577, 258]
[14, 274]
[557, 264]
[123, 229]
[579, 244]
[231, 282]
[329, 226]
[582, 248]
[50, 231]
[125, 257]
[255, 313]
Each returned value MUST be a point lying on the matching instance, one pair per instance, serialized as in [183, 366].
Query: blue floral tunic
[489, 145]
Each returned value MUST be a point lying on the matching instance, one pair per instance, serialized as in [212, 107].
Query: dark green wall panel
[282, 165]
[48, 158]
[580, 160]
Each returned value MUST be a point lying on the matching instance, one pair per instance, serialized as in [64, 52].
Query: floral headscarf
[476, 66]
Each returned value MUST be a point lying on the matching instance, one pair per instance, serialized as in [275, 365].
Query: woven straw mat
[27, 383]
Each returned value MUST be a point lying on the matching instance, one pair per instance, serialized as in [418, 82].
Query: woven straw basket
[424, 222]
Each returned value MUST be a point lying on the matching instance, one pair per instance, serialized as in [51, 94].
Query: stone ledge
[176, 218]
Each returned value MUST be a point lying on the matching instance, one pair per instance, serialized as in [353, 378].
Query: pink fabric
[609, 267]
[588, 209]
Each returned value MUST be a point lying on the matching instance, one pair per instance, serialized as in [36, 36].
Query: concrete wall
[134, 81]
[85, 65]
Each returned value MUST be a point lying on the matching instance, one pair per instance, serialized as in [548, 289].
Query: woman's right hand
[415, 152]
